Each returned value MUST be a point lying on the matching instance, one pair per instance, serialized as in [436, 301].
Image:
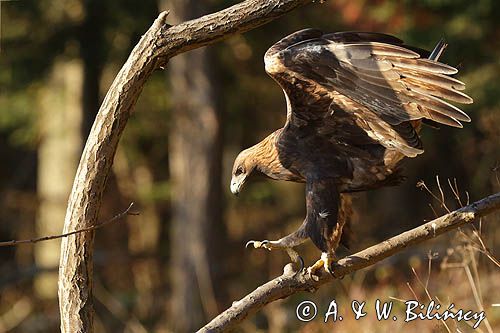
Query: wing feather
[435, 79]
[437, 91]
[370, 49]
[424, 65]
[388, 81]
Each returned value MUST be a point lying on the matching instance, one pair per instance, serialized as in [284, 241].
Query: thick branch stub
[289, 284]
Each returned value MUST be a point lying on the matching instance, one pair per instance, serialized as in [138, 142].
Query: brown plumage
[355, 105]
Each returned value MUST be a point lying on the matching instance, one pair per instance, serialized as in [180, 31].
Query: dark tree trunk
[91, 50]
[195, 164]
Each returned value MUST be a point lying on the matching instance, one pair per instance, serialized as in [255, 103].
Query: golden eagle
[355, 105]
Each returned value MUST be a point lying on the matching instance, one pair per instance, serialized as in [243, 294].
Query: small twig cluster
[440, 197]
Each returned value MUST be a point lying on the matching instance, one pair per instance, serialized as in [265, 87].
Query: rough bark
[289, 283]
[156, 47]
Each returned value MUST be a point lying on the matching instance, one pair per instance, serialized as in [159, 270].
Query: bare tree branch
[94, 227]
[289, 283]
[156, 47]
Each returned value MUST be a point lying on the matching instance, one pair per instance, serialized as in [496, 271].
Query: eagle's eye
[239, 171]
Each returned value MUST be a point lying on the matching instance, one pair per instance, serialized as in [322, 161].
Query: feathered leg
[340, 235]
[327, 213]
[328, 257]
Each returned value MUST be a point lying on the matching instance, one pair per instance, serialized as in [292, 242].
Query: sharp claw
[266, 245]
[313, 276]
[301, 267]
[257, 244]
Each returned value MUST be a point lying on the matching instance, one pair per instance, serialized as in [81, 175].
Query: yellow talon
[325, 262]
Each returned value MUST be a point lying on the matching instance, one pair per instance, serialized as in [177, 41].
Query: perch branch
[161, 42]
[46, 238]
[289, 283]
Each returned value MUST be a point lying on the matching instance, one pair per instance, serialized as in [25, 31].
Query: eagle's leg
[327, 212]
[328, 257]
[286, 243]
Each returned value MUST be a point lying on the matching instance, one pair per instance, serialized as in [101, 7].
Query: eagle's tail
[438, 50]
[435, 54]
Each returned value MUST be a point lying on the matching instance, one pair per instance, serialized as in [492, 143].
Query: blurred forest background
[182, 260]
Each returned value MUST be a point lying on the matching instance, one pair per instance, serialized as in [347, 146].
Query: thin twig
[485, 250]
[443, 201]
[430, 256]
[94, 227]
[429, 296]
[456, 192]
[412, 291]
[480, 246]
[436, 215]
[421, 284]
[422, 185]
[477, 296]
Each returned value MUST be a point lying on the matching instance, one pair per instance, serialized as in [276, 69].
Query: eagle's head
[242, 169]
[263, 158]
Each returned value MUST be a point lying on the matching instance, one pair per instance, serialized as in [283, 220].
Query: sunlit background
[182, 260]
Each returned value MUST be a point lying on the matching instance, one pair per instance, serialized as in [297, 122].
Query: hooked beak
[236, 184]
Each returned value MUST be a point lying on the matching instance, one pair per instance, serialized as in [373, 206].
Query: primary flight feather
[355, 105]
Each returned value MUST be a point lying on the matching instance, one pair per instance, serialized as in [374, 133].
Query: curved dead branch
[157, 45]
[289, 283]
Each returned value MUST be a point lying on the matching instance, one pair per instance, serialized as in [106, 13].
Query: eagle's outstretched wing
[349, 81]
[347, 95]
